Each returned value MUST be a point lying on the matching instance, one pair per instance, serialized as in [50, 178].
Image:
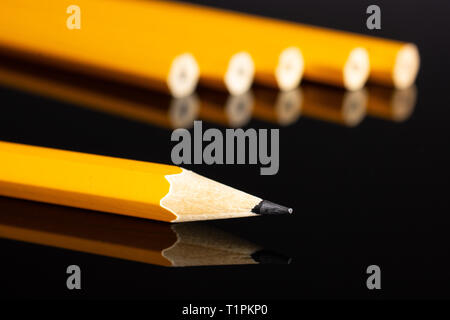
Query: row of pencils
[172, 47]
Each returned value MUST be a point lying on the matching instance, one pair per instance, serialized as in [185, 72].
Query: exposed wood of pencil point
[193, 197]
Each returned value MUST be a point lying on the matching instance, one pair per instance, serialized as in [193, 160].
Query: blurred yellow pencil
[209, 32]
[126, 40]
[113, 41]
[330, 56]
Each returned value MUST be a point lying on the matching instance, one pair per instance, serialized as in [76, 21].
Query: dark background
[374, 194]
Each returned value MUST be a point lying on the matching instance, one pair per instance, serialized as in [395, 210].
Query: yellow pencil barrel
[85, 181]
[152, 43]
[114, 40]
[330, 56]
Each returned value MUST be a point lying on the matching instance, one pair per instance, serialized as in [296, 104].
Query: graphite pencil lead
[269, 208]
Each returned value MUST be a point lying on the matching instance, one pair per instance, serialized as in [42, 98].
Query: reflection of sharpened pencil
[126, 101]
[334, 105]
[124, 238]
[283, 108]
[226, 110]
[135, 188]
[391, 104]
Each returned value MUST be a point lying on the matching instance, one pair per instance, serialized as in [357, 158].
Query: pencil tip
[269, 257]
[269, 208]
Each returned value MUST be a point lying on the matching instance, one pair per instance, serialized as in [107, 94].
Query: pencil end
[269, 257]
[269, 208]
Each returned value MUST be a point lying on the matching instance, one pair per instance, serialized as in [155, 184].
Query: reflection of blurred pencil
[113, 41]
[334, 105]
[124, 238]
[392, 63]
[126, 101]
[224, 109]
[282, 108]
[391, 104]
